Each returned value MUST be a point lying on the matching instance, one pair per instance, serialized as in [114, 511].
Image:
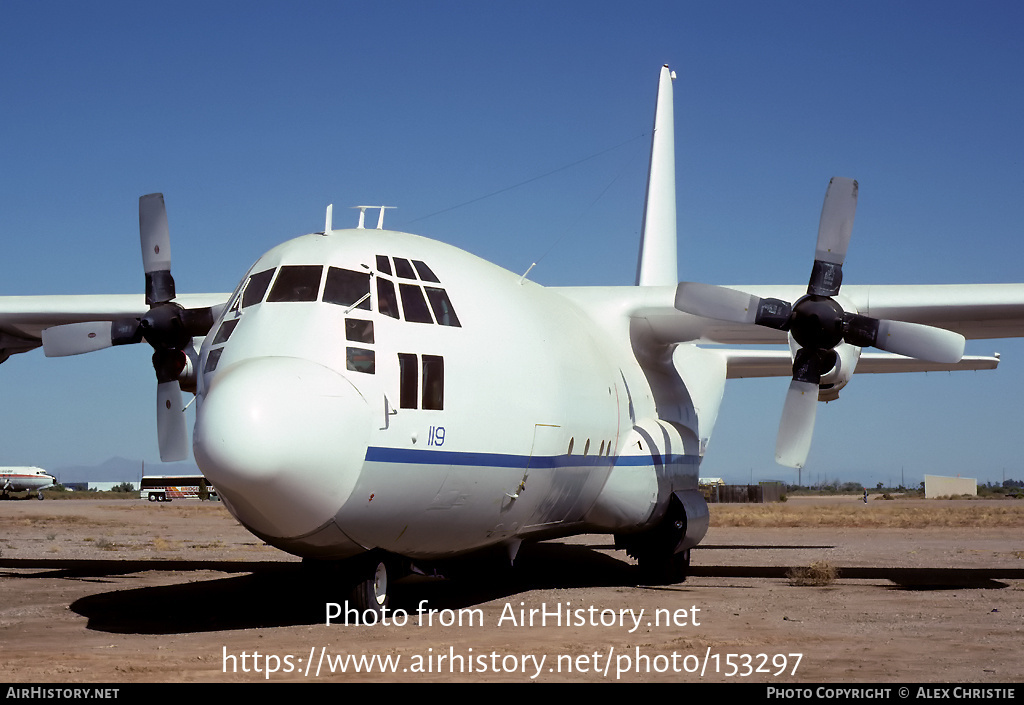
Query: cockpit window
[425, 273]
[359, 330]
[361, 360]
[297, 283]
[415, 307]
[403, 269]
[347, 288]
[442, 307]
[413, 304]
[387, 302]
[433, 382]
[256, 287]
[225, 331]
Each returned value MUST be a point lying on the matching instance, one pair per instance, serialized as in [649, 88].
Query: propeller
[818, 323]
[168, 327]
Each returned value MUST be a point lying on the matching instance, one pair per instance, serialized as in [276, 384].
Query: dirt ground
[131, 591]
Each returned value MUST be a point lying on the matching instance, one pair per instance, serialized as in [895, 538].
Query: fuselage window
[383, 264]
[425, 273]
[256, 287]
[361, 360]
[408, 376]
[225, 331]
[297, 283]
[442, 306]
[403, 269]
[387, 301]
[358, 330]
[433, 382]
[413, 303]
[347, 288]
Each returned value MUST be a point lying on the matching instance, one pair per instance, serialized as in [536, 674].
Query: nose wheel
[370, 592]
[363, 583]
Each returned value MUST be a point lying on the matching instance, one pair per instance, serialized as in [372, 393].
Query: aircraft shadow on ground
[263, 594]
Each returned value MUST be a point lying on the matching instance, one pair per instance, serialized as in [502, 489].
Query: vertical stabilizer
[657, 263]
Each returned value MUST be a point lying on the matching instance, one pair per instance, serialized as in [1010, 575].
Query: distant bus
[164, 488]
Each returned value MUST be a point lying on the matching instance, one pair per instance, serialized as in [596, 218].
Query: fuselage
[19, 479]
[370, 389]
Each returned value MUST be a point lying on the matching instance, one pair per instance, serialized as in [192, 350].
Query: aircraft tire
[39, 495]
[369, 593]
[665, 570]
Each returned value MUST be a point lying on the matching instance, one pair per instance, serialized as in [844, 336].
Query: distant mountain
[120, 470]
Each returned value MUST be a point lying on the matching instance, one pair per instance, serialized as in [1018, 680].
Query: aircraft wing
[23, 318]
[779, 363]
[976, 311]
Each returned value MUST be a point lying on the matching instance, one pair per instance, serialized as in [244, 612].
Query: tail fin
[657, 263]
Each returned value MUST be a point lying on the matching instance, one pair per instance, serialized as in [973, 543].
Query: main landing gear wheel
[657, 550]
[659, 569]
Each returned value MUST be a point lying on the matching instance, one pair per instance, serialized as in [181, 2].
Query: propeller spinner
[818, 323]
[167, 327]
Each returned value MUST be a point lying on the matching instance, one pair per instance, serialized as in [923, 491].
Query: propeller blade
[156, 248]
[78, 338]
[718, 302]
[170, 423]
[725, 304]
[836, 222]
[797, 426]
[919, 341]
[834, 231]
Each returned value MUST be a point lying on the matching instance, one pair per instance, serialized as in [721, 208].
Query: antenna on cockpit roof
[362, 216]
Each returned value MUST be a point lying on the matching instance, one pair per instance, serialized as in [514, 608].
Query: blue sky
[252, 116]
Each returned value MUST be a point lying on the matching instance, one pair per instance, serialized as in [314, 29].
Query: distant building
[939, 486]
[97, 486]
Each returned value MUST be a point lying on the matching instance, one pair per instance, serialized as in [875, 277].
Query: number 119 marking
[436, 437]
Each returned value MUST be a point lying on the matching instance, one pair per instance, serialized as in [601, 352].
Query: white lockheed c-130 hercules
[382, 399]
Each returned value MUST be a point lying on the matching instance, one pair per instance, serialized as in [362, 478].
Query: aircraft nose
[282, 440]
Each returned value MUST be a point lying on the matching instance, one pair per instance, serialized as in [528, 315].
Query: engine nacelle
[835, 379]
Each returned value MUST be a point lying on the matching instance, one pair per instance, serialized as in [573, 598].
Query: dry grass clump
[876, 515]
[51, 519]
[817, 574]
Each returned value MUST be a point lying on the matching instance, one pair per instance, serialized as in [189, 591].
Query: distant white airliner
[382, 399]
[24, 479]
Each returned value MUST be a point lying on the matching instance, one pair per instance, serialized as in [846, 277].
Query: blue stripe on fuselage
[408, 456]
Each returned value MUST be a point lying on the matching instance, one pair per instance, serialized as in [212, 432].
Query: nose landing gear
[361, 585]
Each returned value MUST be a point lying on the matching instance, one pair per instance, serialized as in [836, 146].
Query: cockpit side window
[297, 283]
[414, 305]
[361, 360]
[256, 287]
[387, 301]
[347, 288]
[359, 330]
[442, 307]
[226, 328]
[383, 264]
